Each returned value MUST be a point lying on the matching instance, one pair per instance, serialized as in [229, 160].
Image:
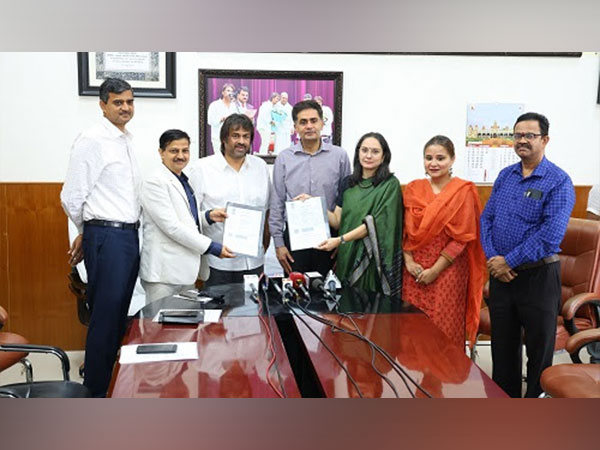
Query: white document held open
[307, 223]
[243, 230]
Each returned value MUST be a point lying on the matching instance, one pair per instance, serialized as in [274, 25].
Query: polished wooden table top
[411, 339]
[233, 360]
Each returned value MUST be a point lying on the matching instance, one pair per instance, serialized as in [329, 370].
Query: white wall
[407, 98]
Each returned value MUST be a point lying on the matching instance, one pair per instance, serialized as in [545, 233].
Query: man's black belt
[532, 265]
[113, 224]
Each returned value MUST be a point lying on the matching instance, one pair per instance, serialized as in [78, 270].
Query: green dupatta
[373, 263]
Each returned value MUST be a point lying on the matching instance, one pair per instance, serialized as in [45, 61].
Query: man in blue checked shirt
[522, 226]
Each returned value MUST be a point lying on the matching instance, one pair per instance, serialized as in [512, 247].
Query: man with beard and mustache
[174, 250]
[522, 226]
[100, 196]
[234, 176]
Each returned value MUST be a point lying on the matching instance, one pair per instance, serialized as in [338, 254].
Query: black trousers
[526, 307]
[230, 276]
[309, 260]
[112, 260]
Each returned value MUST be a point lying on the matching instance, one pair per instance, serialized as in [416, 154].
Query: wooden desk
[233, 359]
[412, 340]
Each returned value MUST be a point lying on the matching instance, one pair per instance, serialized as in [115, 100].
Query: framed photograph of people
[151, 74]
[266, 97]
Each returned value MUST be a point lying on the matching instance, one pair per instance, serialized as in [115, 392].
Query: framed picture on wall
[151, 74]
[267, 98]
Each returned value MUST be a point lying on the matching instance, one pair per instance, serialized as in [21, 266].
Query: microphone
[331, 286]
[254, 295]
[287, 293]
[318, 285]
[299, 281]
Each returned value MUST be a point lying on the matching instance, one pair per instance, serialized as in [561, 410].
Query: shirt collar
[113, 130]
[539, 171]
[183, 177]
[224, 165]
[325, 147]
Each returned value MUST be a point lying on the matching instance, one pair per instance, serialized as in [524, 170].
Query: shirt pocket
[530, 209]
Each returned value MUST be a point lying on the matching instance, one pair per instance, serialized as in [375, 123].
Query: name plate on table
[307, 222]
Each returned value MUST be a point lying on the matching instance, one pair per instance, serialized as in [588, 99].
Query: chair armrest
[28, 348]
[572, 305]
[7, 394]
[3, 317]
[579, 340]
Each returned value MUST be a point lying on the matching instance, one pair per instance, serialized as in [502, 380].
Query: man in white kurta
[218, 111]
[327, 120]
[265, 124]
[232, 176]
[285, 127]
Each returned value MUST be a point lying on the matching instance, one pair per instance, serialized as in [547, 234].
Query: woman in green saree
[369, 218]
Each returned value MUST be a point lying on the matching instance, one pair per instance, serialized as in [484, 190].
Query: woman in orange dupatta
[444, 262]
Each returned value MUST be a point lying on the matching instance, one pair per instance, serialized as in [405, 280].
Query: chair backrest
[580, 260]
[79, 289]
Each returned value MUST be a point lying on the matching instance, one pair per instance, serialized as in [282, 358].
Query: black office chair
[40, 389]
[10, 359]
[43, 389]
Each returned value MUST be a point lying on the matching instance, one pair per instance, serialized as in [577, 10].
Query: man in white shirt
[100, 195]
[285, 128]
[327, 120]
[218, 111]
[173, 247]
[232, 176]
[265, 124]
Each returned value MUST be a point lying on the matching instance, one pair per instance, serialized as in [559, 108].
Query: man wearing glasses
[522, 226]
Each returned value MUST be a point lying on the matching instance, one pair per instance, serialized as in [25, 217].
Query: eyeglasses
[528, 136]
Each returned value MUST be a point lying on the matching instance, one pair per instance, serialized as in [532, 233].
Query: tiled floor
[47, 367]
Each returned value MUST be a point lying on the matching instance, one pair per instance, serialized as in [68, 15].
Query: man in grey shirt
[309, 167]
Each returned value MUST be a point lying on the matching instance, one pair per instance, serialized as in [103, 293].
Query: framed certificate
[151, 74]
[307, 223]
[243, 229]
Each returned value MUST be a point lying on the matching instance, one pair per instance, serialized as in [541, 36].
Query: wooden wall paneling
[581, 199]
[4, 284]
[41, 306]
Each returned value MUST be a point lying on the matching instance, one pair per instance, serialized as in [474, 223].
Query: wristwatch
[342, 240]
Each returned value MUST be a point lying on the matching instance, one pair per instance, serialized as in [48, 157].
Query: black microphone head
[316, 284]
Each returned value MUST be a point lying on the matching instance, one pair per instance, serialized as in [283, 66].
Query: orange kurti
[446, 223]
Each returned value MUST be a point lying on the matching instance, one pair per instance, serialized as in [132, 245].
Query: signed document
[243, 230]
[307, 223]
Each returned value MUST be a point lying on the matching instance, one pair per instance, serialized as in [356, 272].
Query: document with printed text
[243, 230]
[307, 223]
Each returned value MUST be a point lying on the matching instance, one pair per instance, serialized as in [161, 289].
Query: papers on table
[307, 223]
[243, 230]
[185, 350]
